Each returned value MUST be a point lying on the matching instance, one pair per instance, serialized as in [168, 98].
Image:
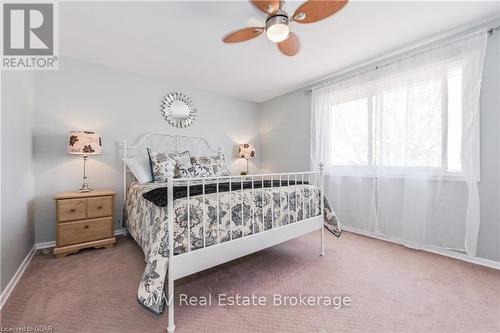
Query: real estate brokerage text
[296, 300]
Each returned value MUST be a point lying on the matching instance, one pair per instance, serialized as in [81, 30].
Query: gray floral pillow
[216, 165]
[198, 171]
[159, 162]
[184, 173]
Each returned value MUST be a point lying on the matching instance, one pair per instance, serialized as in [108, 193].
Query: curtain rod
[489, 31]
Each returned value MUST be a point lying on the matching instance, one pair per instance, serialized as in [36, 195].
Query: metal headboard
[163, 142]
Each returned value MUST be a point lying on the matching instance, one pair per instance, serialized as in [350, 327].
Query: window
[413, 124]
[393, 139]
[350, 134]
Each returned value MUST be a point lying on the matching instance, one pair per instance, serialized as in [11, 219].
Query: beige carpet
[393, 289]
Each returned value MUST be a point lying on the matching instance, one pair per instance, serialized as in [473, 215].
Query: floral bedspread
[240, 213]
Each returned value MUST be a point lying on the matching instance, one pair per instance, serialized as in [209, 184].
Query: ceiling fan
[277, 22]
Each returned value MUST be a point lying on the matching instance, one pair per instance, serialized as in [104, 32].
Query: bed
[214, 219]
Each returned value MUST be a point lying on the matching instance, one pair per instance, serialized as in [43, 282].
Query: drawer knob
[72, 210]
[99, 207]
[86, 227]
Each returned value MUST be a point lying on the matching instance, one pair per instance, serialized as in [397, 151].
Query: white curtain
[401, 146]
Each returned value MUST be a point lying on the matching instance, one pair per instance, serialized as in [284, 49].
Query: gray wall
[17, 232]
[285, 127]
[489, 187]
[285, 146]
[119, 106]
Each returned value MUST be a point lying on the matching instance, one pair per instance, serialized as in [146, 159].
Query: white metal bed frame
[191, 262]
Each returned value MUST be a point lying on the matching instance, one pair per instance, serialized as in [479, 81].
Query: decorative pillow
[215, 164]
[159, 162]
[184, 173]
[140, 168]
[198, 171]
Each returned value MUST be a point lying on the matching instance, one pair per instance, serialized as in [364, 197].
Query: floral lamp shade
[246, 151]
[84, 143]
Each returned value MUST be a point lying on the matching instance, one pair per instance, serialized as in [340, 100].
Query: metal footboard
[287, 231]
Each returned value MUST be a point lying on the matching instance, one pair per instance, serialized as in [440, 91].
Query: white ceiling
[182, 40]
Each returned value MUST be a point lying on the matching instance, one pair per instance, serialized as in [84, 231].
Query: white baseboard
[48, 245]
[444, 252]
[45, 245]
[17, 276]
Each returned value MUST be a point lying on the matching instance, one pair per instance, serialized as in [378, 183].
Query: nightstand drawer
[84, 231]
[71, 209]
[99, 207]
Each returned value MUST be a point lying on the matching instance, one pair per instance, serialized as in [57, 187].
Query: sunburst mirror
[178, 109]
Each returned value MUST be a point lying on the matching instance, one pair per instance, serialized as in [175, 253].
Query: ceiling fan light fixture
[277, 33]
[277, 22]
[277, 29]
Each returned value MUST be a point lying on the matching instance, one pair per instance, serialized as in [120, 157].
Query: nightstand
[84, 220]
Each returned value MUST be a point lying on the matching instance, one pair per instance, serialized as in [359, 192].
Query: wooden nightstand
[84, 220]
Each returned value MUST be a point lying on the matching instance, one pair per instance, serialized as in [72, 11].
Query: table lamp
[246, 151]
[84, 143]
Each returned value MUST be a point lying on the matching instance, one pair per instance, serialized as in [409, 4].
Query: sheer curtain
[401, 146]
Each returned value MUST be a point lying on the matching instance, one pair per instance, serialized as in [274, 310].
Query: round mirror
[178, 110]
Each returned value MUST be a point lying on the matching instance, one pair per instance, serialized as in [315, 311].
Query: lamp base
[85, 188]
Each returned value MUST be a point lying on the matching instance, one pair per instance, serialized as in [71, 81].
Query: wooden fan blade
[266, 6]
[290, 46]
[242, 35]
[315, 10]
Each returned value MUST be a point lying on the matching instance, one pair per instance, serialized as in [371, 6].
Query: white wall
[17, 234]
[284, 124]
[119, 106]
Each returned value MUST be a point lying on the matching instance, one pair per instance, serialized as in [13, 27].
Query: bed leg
[322, 253]
[171, 302]
[124, 230]
[322, 205]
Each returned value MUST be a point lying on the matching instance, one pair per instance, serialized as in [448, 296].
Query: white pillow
[140, 168]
